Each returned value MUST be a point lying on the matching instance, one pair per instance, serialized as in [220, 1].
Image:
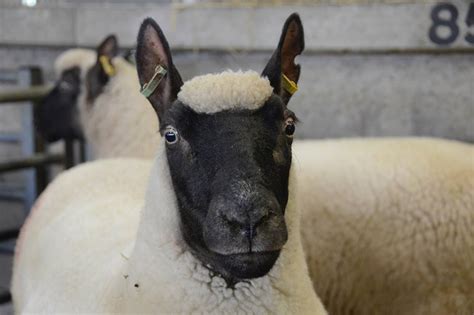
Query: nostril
[233, 222]
[247, 232]
[265, 216]
[246, 223]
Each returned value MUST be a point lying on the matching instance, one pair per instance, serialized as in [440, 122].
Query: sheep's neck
[165, 276]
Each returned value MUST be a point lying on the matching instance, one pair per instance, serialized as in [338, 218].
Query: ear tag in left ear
[150, 87]
[107, 66]
[290, 86]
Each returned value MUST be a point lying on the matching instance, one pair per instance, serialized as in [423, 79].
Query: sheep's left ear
[281, 69]
[106, 51]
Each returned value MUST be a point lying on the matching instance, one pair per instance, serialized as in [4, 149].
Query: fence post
[35, 179]
[69, 157]
[82, 151]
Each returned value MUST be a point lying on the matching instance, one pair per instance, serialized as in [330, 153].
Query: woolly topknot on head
[84, 59]
[228, 90]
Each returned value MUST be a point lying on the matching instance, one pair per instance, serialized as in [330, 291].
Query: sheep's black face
[229, 169]
[56, 117]
[230, 174]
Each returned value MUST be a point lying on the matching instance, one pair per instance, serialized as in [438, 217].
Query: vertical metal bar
[5, 297]
[69, 154]
[82, 151]
[39, 144]
[27, 141]
[37, 178]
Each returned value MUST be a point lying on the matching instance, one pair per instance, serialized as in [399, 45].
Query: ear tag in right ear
[290, 86]
[107, 66]
[150, 87]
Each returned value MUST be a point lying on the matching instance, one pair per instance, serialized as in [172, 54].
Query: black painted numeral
[445, 15]
[470, 22]
[439, 20]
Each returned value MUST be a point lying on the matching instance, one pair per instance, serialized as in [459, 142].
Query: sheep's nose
[239, 224]
[247, 223]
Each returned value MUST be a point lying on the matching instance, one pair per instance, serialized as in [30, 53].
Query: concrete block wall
[379, 26]
[368, 70]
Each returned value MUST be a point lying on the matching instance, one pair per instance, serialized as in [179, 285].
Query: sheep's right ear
[158, 76]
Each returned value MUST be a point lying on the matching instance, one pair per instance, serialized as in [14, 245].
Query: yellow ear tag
[290, 86]
[107, 66]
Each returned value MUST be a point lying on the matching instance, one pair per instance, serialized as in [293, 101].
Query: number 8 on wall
[439, 19]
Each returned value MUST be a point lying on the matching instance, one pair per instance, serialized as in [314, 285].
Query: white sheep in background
[88, 247]
[98, 95]
[388, 224]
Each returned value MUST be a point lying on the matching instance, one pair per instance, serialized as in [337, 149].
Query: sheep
[323, 217]
[387, 224]
[208, 236]
[98, 96]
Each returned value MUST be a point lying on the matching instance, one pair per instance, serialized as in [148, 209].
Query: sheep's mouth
[247, 265]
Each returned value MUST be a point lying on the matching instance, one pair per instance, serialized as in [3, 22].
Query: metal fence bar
[5, 297]
[37, 160]
[15, 196]
[27, 77]
[8, 76]
[33, 93]
[10, 138]
[68, 154]
[39, 146]
[9, 234]
[82, 151]
[33, 148]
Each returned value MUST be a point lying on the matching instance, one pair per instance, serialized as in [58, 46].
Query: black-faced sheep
[98, 96]
[218, 229]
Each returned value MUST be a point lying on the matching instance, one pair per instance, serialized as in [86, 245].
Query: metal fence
[35, 159]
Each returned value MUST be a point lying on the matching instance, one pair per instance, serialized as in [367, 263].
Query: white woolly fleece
[80, 252]
[227, 90]
[120, 122]
[387, 224]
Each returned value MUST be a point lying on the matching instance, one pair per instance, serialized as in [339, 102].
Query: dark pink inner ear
[154, 53]
[292, 46]
[109, 47]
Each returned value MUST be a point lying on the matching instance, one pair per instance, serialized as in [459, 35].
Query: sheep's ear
[99, 74]
[158, 76]
[107, 50]
[281, 69]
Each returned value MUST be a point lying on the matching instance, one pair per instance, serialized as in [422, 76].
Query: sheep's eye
[171, 135]
[290, 127]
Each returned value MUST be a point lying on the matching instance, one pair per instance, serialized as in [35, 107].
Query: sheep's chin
[237, 267]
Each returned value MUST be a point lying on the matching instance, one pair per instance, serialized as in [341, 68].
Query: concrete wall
[381, 26]
[342, 94]
[368, 70]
